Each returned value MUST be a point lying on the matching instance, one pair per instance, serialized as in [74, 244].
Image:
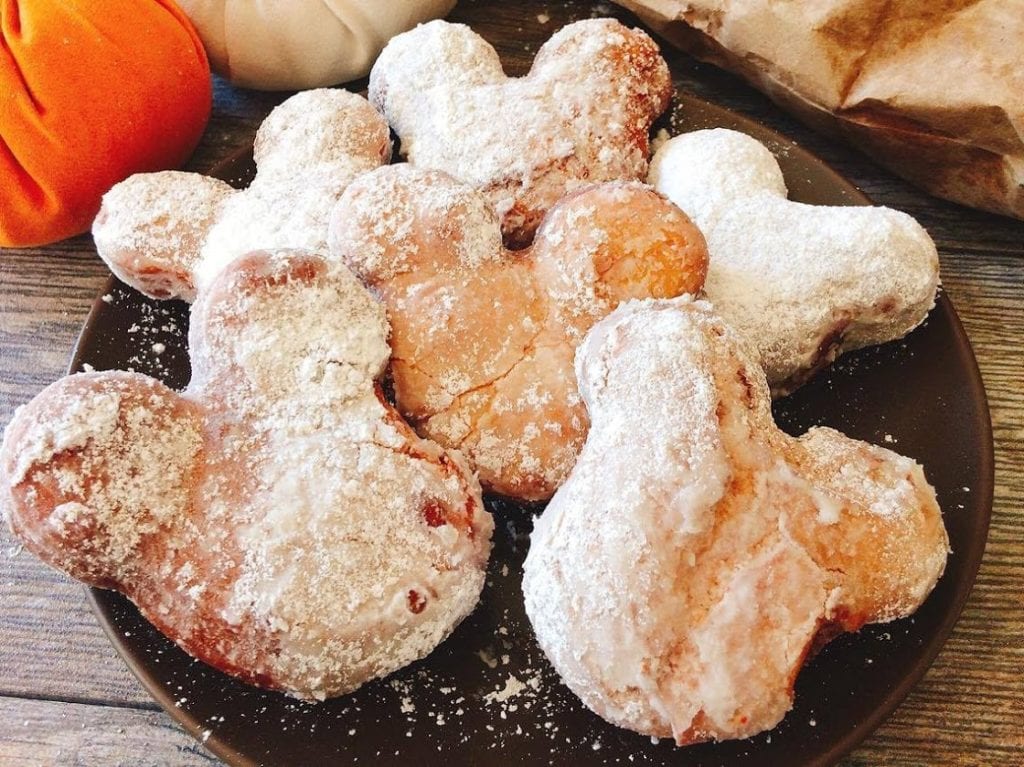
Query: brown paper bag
[932, 89]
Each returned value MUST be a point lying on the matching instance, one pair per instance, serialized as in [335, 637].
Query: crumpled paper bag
[931, 89]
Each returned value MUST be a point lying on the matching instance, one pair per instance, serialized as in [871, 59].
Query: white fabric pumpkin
[294, 44]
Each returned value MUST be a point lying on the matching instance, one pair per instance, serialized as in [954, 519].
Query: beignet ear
[96, 467]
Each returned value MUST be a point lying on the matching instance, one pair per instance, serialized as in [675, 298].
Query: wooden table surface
[67, 699]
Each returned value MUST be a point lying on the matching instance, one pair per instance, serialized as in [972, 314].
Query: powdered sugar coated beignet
[679, 577]
[167, 234]
[278, 519]
[581, 115]
[484, 338]
[804, 283]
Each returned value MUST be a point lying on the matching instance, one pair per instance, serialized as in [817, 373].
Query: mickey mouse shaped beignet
[167, 234]
[483, 337]
[277, 519]
[803, 283]
[581, 115]
[680, 576]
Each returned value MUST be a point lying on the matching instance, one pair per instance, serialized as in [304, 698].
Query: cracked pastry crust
[483, 337]
[581, 116]
[277, 519]
[696, 553]
[167, 234]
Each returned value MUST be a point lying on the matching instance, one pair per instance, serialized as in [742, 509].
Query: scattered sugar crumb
[659, 138]
[513, 686]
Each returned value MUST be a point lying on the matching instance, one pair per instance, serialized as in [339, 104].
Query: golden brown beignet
[483, 337]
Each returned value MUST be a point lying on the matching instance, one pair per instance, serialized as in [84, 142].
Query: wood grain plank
[50, 643]
[38, 733]
[44, 298]
[968, 708]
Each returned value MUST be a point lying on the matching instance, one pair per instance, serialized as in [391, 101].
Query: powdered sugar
[94, 417]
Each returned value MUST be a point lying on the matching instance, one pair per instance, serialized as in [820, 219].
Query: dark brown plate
[487, 694]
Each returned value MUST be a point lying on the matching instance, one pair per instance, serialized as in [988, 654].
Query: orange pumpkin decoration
[91, 91]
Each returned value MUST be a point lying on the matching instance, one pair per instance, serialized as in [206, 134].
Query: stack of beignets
[279, 520]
